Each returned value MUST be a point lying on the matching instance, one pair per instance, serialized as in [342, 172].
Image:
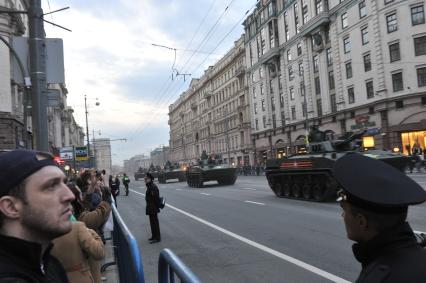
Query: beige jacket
[74, 249]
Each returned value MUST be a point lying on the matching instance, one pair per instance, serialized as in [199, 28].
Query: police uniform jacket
[394, 256]
[152, 198]
[20, 262]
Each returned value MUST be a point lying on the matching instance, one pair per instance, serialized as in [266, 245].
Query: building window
[264, 121]
[299, 49]
[301, 69]
[392, 22]
[302, 90]
[345, 20]
[423, 100]
[255, 108]
[329, 57]
[280, 84]
[346, 45]
[292, 93]
[287, 34]
[421, 76]
[370, 89]
[397, 82]
[263, 105]
[305, 13]
[367, 62]
[318, 6]
[261, 89]
[273, 103]
[281, 100]
[315, 60]
[319, 107]
[394, 52]
[317, 86]
[362, 9]
[257, 124]
[420, 45]
[351, 95]
[333, 103]
[331, 80]
[348, 67]
[303, 109]
[261, 73]
[364, 35]
[417, 15]
[288, 55]
[296, 17]
[399, 104]
[293, 112]
[290, 73]
[371, 110]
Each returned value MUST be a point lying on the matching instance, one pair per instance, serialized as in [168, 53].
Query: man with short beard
[35, 208]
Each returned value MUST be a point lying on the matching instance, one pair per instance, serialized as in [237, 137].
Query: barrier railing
[170, 265]
[126, 252]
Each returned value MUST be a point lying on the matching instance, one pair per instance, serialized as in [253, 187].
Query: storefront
[409, 139]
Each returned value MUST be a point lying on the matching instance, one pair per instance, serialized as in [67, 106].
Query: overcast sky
[109, 56]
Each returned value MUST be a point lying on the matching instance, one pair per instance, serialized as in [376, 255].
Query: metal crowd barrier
[169, 265]
[126, 252]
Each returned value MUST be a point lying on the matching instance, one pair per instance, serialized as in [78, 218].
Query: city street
[243, 233]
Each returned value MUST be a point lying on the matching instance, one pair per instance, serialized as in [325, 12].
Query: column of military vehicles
[304, 176]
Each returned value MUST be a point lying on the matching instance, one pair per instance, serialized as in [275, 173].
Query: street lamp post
[87, 127]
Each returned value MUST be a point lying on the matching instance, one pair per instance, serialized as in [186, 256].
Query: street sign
[66, 153]
[81, 153]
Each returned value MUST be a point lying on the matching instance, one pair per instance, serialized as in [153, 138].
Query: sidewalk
[111, 273]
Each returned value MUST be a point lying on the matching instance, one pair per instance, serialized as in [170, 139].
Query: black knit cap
[16, 165]
[374, 185]
[149, 175]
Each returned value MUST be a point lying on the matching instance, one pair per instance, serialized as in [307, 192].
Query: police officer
[375, 198]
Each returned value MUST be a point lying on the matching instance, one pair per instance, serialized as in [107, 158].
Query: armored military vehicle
[210, 169]
[309, 176]
[172, 172]
[140, 173]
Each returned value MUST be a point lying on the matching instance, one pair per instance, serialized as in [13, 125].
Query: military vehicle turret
[140, 173]
[309, 176]
[210, 169]
[172, 172]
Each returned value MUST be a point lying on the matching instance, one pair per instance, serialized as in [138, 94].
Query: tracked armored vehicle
[172, 172]
[309, 176]
[210, 169]
[140, 173]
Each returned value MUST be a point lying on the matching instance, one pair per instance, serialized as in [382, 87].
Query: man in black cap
[152, 198]
[375, 198]
[35, 208]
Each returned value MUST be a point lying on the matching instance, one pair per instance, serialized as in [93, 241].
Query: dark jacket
[152, 198]
[20, 262]
[394, 256]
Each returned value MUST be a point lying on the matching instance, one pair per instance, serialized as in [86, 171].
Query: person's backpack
[161, 202]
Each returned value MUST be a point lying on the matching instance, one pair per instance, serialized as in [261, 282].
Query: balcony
[244, 126]
[194, 106]
[241, 107]
[208, 94]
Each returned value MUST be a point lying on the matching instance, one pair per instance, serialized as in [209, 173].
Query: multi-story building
[213, 114]
[102, 152]
[13, 131]
[63, 130]
[342, 65]
[159, 156]
[136, 162]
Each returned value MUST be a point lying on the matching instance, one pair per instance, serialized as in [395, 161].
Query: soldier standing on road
[375, 199]
[152, 198]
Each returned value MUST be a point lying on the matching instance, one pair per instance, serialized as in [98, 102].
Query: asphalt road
[243, 233]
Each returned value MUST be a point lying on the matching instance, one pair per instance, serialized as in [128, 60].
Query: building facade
[341, 65]
[213, 114]
[102, 152]
[13, 125]
[159, 156]
[138, 161]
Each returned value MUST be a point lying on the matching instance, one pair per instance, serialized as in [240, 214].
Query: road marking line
[419, 232]
[178, 189]
[249, 189]
[278, 254]
[420, 182]
[205, 194]
[259, 203]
